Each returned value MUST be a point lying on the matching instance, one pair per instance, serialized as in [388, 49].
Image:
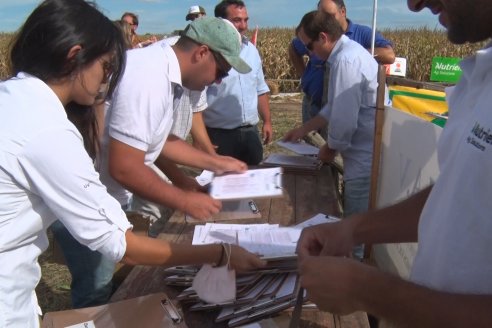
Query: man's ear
[343, 11]
[200, 53]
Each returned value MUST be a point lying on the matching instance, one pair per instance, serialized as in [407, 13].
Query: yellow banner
[419, 101]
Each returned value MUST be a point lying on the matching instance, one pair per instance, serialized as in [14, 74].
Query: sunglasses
[222, 66]
[310, 45]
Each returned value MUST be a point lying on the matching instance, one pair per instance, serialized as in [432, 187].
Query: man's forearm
[147, 184]
[384, 55]
[170, 169]
[406, 304]
[180, 152]
[264, 108]
[314, 124]
[396, 223]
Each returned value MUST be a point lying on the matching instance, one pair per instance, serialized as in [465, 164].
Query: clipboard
[232, 210]
[265, 312]
[301, 148]
[155, 310]
[293, 163]
[257, 183]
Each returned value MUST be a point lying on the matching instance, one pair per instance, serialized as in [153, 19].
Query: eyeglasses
[133, 24]
[222, 66]
[108, 68]
[310, 45]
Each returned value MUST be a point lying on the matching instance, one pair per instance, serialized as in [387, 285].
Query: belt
[247, 126]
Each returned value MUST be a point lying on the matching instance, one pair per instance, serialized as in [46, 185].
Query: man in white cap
[195, 12]
[141, 115]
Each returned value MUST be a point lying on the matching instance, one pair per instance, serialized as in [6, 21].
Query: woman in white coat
[60, 57]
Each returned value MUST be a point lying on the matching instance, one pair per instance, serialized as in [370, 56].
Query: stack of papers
[301, 148]
[293, 161]
[261, 293]
[267, 240]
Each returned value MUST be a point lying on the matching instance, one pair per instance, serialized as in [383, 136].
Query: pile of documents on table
[260, 293]
[306, 158]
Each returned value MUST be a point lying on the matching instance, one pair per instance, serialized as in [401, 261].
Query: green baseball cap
[220, 36]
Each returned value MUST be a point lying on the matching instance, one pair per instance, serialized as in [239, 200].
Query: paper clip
[171, 311]
[253, 207]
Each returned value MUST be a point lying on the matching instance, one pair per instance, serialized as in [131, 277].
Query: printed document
[268, 240]
[251, 184]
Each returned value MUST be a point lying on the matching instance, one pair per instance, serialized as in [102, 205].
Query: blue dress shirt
[234, 102]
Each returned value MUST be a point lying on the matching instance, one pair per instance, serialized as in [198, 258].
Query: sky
[165, 16]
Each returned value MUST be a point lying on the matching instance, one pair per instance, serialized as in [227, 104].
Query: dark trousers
[243, 143]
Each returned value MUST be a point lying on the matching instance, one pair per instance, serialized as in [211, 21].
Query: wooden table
[306, 194]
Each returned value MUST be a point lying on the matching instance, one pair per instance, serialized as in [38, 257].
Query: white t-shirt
[455, 231]
[141, 111]
[45, 175]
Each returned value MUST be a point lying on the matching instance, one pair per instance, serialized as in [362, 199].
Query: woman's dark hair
[221, 8]
[84, 119]
[41, 46]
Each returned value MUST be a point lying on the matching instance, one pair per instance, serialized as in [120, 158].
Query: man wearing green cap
[141, 115]
[137, 135]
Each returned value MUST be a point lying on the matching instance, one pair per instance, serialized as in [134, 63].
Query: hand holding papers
[231, 209]
[251, 184]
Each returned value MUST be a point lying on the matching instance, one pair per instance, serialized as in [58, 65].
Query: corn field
[418, 46]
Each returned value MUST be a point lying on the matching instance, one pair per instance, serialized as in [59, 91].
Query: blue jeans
[356, 200]
[91, 272]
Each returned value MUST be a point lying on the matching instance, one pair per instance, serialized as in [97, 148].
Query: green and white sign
[445, 69]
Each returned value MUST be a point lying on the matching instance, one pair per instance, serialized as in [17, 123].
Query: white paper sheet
[251, 184]
[205, 177]
[300, 148]
[268, 240]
